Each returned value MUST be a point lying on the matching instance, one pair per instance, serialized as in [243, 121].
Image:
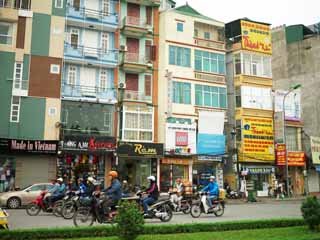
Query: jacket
[212, 188]
[153, 191]
[114, 191]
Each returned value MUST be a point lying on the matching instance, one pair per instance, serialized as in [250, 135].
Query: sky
[275, 12]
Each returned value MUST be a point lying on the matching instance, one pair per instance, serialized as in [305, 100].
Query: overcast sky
[276, 12]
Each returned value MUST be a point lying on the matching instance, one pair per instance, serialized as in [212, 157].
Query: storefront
[138, 160]
[82, 156]
[19, 159]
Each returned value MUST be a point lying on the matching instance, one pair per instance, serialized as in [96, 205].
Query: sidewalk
[264, 200]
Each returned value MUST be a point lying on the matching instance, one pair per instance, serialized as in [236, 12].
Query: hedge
[107, 231]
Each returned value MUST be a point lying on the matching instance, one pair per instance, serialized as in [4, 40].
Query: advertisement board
[292, 104]
[315, 149]
[140, 149]
[256, 97]
[258, 141]
[256, 37]
[278, 127]
[281, 154]
[211, 144]
[296, 159]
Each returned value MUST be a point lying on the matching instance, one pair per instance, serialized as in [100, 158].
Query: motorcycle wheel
[195, 211]
[218, 210]
[33, 209]
[187, 208]
[166, 209]
[57, 208]
[68, 210]
[83, 217]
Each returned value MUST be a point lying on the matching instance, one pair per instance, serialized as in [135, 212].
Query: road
[20, 220]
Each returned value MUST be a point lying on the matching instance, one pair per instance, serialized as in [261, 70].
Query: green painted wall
[59, 11]
[40, 34]
[294, 33]
[29, 126]
[7, 60]
[26, 62]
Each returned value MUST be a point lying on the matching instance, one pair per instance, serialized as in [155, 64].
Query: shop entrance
[169, 173]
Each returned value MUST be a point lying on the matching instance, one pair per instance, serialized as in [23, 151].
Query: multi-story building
[249, 78]
[31, 52]
[295, 61]
[88, 114]
[192, 96]
[138, 150]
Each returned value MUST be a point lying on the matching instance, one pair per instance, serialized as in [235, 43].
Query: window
[6, 33]
[72, 73]
[179, 56]
[253, 64]
[138, 123]
[196, 33]
[238, 97]
[209, 62]
[211, 96]
[104, 42]
[107, 121]
[52, 111]
[17, 78]
[291, 139]
[181, 93]
[15, 109]
[37, 188]
[74, 35]
[103, 79]
[106, 7]
[55, 68]
[180, 27]
[23, 4]
[59, 3]
[206, 35]
[237, 64]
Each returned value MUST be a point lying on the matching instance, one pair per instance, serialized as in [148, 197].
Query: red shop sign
[181, 139]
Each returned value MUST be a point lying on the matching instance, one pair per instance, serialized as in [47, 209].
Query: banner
[210, 144]
[211, 122]
[281, 154]
[315, 149]
[256, 37]
[292, 105]
[257, 136]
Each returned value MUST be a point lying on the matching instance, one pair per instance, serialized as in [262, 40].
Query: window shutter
[153, 53]
[147, 85]
[149, 15]
[132, 82]
[148, 51]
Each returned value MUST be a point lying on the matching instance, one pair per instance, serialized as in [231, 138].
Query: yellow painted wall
[42, 6]
[51, 132]
[57, 36]
[8, 14]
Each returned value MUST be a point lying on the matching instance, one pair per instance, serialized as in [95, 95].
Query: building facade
[88, 93]
[295, 59]
[31, 52]
[192, 96]
[249, 77]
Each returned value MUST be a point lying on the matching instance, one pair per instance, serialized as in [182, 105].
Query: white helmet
[91, 179]
[152, 178]
[60, 179]
[212, 177]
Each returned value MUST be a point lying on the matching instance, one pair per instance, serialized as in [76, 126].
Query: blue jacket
[114, 191]
[212, 188]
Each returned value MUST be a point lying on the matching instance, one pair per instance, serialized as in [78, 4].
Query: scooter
[39, 204]
[231, 194]
[201, 206]
[185, 204]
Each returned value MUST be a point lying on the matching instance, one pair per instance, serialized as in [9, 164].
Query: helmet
[212, 177]
[60, 179]
[151, 178]
[113, 174]
[91, 179]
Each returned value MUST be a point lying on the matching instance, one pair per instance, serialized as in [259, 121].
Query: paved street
[20, 219]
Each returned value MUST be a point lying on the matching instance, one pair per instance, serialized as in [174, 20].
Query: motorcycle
[231, 194]
[201, 206]
[39, 204]
[73, 204]
[185, 204]
[57, 209]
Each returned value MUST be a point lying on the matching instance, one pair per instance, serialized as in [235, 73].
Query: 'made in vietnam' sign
[139, 149]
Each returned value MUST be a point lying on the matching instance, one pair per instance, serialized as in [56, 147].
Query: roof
[249, 20]
[187, 10]
[295, 33]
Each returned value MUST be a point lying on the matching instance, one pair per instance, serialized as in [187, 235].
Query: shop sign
[181, 138]
[315, 149]
[211, 144]
[256, 37]
[257, 139]
[209, 158]
[28, 146]
[175, 161]
[296, 159]
[139, 149]
[87, 143]
[281, 154]
[260, 170]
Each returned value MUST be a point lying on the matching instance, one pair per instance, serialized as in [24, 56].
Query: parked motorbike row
[86, 210]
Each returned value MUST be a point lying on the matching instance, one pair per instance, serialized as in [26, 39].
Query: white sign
[171, 132]
[292, 104]
[211, 122]
[256, 97]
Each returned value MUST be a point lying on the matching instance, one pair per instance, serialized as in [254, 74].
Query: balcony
[134, 62]
[153, 3]
[252, 80]
[94, 56]
[20, 88]
[135, 27]
[77, 92]
[89, 18]
[22, 4]
[136, 96]
[209, 44]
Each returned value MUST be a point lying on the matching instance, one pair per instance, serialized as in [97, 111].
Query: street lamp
[284, 133]
[235, 153]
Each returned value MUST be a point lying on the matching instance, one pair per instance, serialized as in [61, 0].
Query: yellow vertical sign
[256, 37]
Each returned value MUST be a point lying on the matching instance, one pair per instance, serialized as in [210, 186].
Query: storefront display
[7, 173]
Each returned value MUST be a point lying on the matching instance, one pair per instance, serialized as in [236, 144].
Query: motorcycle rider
[178, 191]
[153, 194]
[213, 190]
[58, 193]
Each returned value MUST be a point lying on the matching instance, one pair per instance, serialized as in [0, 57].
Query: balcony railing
[134, 21]
[22, 4]
[146, 2]
[209, 43]
[80, 51]
[135, 58]
[135, 96]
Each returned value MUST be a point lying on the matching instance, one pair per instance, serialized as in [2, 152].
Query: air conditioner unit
[122, 86]
[123, 48]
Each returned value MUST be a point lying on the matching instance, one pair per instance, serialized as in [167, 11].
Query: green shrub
[311, 212]
[130, 220]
